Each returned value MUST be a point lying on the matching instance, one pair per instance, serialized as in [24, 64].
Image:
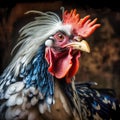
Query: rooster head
[63, 39]
[64, 47]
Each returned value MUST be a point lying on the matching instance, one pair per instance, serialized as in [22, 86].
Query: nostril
[78, 38]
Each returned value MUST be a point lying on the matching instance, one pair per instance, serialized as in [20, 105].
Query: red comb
[83, 27]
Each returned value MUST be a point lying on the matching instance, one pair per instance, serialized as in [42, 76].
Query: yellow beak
[81, 45]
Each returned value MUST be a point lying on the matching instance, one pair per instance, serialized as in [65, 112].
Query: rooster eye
[60, 36]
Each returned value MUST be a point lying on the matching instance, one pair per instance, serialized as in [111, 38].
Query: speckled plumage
[33, 83]
[95, 104]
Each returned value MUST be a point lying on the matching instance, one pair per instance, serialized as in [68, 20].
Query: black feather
[95, 103]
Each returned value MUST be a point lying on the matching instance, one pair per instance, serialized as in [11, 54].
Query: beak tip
[85, 47]
[88, 51]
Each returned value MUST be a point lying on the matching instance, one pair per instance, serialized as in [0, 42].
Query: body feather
[95, 104]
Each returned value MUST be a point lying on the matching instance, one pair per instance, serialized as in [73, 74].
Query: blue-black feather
[34, 74]
[99, 103]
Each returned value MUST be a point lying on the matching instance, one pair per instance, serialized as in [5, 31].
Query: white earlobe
[49, 43]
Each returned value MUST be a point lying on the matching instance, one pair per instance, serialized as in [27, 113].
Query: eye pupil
[61, 36]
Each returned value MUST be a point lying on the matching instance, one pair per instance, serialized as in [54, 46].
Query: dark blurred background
[102, 65]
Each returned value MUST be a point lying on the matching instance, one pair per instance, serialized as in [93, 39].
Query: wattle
[62, 64]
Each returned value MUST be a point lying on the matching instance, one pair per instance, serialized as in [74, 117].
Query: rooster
[39, 83]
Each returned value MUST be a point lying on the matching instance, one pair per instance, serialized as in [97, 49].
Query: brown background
[101, 65]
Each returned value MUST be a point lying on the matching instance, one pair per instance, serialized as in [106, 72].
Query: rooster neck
[36, 74]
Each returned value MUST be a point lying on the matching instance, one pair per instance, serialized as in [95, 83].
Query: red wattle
[62, 64]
